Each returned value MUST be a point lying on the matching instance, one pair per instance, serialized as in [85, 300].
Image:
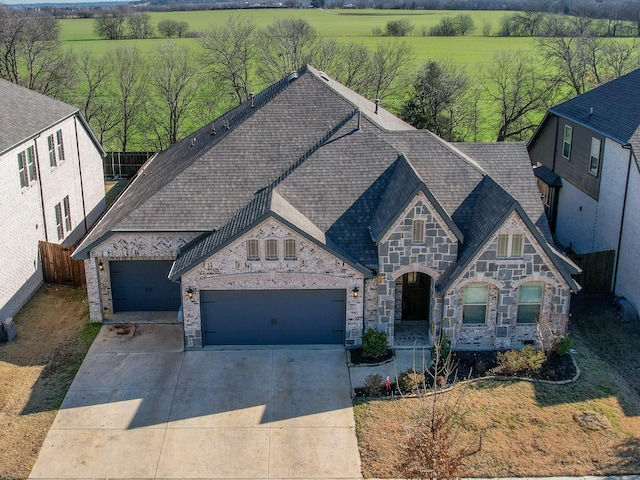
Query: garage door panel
[273, 317]
[143, 285]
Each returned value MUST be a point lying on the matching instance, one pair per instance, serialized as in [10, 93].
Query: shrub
[411, 381]
[399, 28]
[561, 346]
[517, 362]
[373, 384]
[374, 344]
[376, 31]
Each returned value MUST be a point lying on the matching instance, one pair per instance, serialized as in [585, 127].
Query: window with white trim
[59, 146]
[566, 143]
[510, 245]
[418, 231]
[59, 226]
[252, 250]
[27, 167]
[529, 303]
[290, 249]
[52, 151]
[594, 161]
[271, 247]
[475, 299]
[66, 207]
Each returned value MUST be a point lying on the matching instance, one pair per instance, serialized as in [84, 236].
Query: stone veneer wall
[125, 246]
[504, 277]
[314, 268]
[399, 255]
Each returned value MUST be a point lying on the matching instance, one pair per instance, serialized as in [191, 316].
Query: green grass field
[341, 25]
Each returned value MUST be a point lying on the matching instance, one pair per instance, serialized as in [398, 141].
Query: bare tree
[140, 25]
[618, 58]
[128, 91]
[110, 24]
[520, 93]
[93, 73]
[387, 63]
[438, 100]
[351, 66]
[434, 449]
[285, 46]
[230, 54]
[464, 23]
[173, 83]
[31, 53]
[566, 56]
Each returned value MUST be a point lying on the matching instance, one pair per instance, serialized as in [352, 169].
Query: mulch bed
[358, 359]
[476, 364]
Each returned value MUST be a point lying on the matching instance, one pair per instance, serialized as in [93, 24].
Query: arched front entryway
[413, 298]
[416, 295]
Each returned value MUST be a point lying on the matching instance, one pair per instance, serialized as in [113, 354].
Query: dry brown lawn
[36, 371]
[531, 429]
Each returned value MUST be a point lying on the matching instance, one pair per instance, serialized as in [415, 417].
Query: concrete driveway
[142, 408]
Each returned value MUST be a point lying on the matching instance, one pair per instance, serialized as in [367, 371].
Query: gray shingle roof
[612, 109]
[26, 113]
[316, 155]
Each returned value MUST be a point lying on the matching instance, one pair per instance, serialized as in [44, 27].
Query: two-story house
[51, 185]
[309, 214]
[585, 155]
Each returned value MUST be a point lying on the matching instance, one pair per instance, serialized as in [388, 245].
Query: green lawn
[341, 25]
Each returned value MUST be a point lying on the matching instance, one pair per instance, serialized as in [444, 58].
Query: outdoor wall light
[355, 292]
[101, 266]
[190, 292]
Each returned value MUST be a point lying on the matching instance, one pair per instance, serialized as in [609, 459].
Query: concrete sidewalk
[140, 407]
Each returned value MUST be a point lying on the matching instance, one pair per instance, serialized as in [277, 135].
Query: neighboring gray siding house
[309, 214]
[586, 157]
[51, 185]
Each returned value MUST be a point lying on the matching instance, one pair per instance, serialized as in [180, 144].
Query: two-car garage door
[273, 317]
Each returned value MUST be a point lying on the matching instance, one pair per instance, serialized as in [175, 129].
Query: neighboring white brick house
[586, 157]
[310, 214]
[51, 185]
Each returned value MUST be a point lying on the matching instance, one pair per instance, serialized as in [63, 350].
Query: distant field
[341, 25]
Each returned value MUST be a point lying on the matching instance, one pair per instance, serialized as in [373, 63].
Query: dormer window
[510, 246]
[418, 231]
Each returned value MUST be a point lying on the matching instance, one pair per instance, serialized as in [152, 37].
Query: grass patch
[537, 424]
[36, 370]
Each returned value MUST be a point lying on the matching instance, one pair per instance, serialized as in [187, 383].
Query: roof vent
[292, 77]
[252, 96]
[377, 105]
[226, 125]
[213, 128]
[193, 142]
[323, 76]
[591, 111]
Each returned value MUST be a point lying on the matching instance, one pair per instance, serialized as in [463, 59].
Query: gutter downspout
[84, 207]
[626, 146]
[44, 217]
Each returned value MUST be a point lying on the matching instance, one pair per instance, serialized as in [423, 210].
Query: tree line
[137, 101]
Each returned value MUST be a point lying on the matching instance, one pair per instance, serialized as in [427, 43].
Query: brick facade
[126, 246]
[314, 268]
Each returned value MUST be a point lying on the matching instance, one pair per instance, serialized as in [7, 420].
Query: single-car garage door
[273, 317]
[142, 285]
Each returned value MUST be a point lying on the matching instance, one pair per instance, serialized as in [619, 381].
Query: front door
[416, 291]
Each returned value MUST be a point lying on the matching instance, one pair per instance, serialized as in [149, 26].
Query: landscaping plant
[374, 344]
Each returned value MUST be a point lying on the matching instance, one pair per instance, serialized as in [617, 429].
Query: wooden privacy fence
[597, 271]
[59, 267]
[124, 164]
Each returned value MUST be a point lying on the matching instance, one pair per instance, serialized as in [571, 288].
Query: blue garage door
[273, 317]
[143, 286]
